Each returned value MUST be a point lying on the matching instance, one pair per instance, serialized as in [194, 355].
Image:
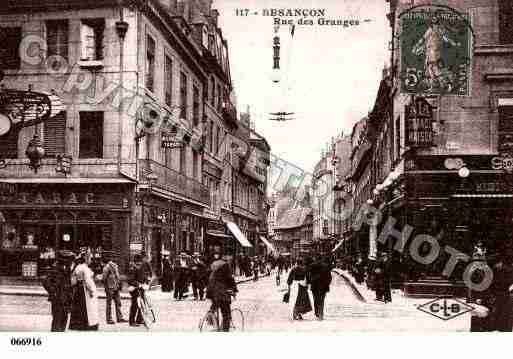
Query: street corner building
[434, 154]
[121, 135]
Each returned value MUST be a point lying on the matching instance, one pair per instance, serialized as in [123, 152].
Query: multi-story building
[342, 200]
[121, 71]
[441, 143]
[322, 202]
[294, 232]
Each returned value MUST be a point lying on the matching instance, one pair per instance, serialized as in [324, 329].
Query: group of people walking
[186, 271]
[308, 281]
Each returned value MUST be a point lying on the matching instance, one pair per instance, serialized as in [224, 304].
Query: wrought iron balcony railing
[173, 181]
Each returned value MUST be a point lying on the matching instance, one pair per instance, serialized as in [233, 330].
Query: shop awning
[218, 234]
[267, 243]
[238, 234]
[337, 246]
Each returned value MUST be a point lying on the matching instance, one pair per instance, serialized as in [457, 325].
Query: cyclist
[221, 287]
[136, 278]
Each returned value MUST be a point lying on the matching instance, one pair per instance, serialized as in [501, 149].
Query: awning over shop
[238, 234]
[218, 234]
[337, 246]
[267, 243]
[70, 180]
[483, 195]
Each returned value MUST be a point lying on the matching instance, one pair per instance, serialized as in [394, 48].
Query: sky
[330, 74]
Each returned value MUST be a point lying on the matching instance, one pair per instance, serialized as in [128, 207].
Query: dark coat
[220, 282]
[137, 276]
[319, 277]
[58, 286]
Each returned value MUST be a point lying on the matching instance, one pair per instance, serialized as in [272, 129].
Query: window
[195, 164]
[168, 80]
[168, 157]
[10, 38]
[91, 34]
[211, 141]
[212, 91]
[195, 106]
[53, 134]
[505, 22]
[505, 128]
[57, 38]
[183, 159]
[219, 102]
[215, 139]
[183, 95]
[150, 62]
[91, 135]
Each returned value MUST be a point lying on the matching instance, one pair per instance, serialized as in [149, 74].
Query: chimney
[215, 14]
[205, 6]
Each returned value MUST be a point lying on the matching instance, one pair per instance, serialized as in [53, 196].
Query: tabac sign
[435, 51]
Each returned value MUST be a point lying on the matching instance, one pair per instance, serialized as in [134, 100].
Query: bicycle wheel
[209, 322]
[146, 312]
[149, 304]
[237, 322]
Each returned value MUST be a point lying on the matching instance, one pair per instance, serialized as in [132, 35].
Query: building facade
[145, 92]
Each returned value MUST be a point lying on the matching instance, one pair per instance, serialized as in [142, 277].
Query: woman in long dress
[84, 307]
[299, 298]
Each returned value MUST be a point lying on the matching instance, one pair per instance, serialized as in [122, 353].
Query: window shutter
[9, 144]
[54, 133]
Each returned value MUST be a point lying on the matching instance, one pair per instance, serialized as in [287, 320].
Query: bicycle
[145, 307]
[211, 323]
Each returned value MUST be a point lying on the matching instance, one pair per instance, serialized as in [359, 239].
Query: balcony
[229, 112]
[173, 181]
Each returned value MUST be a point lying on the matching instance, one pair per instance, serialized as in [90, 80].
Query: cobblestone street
[263, 310]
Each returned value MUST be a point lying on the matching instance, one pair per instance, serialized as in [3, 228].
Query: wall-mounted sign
[419, 123]
[435, 51]
[169, 140]
[504, 162]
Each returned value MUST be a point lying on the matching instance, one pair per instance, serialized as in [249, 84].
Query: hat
[196, 254]
[183, 254]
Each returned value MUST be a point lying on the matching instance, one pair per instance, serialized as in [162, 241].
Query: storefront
[41, 218]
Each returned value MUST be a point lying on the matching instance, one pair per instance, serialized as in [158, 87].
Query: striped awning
[237, 233]
[267, 243]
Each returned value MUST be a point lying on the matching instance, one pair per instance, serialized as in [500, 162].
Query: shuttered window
[168, 80]
[57, 38]
[91, 134]
[9, 144]
[505, 21]
[10, 39]
[505, 129]
[54, 132]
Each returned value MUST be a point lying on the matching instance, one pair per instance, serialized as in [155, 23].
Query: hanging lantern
[35, 152]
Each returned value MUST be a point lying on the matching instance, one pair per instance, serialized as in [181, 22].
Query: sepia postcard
[270, 166]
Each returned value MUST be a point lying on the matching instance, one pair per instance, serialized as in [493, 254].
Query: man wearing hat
[112, 285]
[182, 277]
[221, 287]
[199, 277]
[58, 286]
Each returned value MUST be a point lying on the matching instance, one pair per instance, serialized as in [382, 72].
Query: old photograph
[255, 166]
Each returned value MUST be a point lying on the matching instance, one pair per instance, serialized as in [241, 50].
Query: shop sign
[435, 51]
[169, 140]
[419, 123]
[70, 198]
[504, 162]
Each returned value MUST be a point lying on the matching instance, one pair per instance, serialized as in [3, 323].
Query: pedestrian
[387, 278]
[256, 266]
[299, 299]
[60, 293]
[137, 276]
[221, 287]
[182, 277]
[84, 307]
[112, 284]
[199, 277]
[319, 279]
[167, 275]
[502, 312]
[359, 270]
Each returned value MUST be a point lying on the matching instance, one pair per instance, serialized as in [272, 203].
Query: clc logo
[445, 308]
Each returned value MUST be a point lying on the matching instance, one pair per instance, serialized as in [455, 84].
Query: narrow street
[263, 310]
